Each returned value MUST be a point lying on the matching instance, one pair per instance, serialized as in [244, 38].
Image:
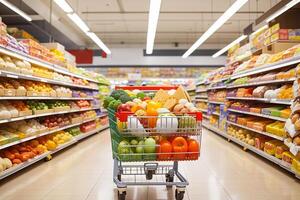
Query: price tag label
[293, 149]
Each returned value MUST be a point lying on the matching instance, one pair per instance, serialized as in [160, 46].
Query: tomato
[164, 150]
[193, 149]
[146, 98]
[179, 144]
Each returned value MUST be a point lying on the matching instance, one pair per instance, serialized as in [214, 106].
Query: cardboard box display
[277, 47]
[54, 45]
[1, 92]
[60, 109]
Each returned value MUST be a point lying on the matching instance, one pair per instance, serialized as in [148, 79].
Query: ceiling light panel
[79, 22]
[216, 25]
[99, 42]
[63, 4]
[152, 24]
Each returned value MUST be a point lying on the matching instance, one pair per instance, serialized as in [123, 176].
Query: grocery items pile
[160, 126]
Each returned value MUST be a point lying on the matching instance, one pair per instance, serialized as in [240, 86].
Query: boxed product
[280, 150]
[270, 146]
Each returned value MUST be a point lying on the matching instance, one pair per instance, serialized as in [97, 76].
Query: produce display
[29, 121]
[147, 124]
[257, 90]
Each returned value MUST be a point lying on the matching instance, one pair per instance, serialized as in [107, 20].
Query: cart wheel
[119, 177]
[149, 176]
[121, 196]
[169, 178]
[179, 195]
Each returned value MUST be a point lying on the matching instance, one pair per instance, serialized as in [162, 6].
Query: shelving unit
[251, 148]
[257, 131]
[258, 115]
[29, 162]
[90, 84]
[280, 103]
[275, 101]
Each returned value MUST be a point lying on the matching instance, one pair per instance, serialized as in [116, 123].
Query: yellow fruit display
[51, 145]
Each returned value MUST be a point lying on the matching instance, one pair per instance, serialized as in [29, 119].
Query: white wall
[134, 56]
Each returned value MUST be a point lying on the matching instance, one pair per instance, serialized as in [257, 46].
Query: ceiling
[180, 21]
[124, 22]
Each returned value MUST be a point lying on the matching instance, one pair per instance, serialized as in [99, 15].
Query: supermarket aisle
[85, 172]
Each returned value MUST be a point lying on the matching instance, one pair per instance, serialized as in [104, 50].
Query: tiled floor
[84, 171]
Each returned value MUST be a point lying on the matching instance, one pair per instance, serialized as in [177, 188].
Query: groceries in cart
[168, 112]
[164, 125]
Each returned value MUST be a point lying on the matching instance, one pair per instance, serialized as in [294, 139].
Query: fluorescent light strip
[152, 24]
[282, 10]
[260, 29]
[238, 40]
[79, 22]
[216, 25]
[64, 6]
[15, 9]
[97, 40]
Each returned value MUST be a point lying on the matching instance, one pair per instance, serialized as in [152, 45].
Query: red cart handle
[146, 88]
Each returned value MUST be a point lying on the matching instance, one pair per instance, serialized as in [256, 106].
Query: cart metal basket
[132, 139]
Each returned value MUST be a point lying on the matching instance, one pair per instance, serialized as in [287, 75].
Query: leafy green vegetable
[140, 95]
[106, 101]
[117, 93]
[114, 104]
[125, 98]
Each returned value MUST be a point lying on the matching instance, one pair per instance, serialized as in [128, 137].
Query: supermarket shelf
[262, 83]
[201, 100]
[63, 146]
[268, 67]
[29, 162]
[275, 101]
[201, 83]
[215, 129]
[92, 132]
[45, 133]
[257, 131]
[19, 167]
[200, 90]
[251, 148]
[45, 114]
[191, 89]
[41, 63]
[202, 110]
[46, 98]
[217, 88]
[44, 80]
[216, 102]
[201, 97]
[258, 115]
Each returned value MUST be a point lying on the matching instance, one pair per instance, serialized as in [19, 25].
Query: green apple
[134, 142]
[150, 145]
[140, 147]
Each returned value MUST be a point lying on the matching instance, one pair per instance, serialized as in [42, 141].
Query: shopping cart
[132, 139]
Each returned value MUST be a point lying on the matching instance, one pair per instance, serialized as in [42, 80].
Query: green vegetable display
[116, 94]
[125, 98]
[140, 95]
[114, 104]
[107, 100]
